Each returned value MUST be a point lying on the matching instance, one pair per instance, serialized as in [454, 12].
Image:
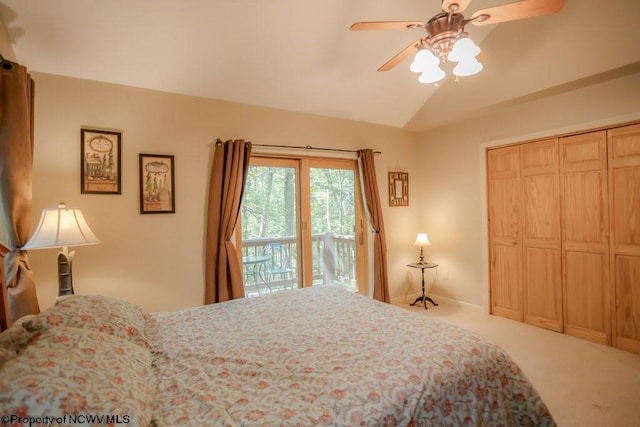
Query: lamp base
[65, 279]
[421, 260]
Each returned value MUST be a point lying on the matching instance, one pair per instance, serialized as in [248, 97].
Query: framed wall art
[398, 189]
[100, 165]
[157, 184]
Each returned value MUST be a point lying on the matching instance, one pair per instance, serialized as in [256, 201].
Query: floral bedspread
[325, 356]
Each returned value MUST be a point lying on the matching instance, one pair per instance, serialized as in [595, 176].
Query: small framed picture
[100, 162]
[157, 184]
[398, 189]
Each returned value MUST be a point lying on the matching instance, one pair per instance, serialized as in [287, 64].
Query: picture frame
[398, 189]
[157, 184]
[100, 161]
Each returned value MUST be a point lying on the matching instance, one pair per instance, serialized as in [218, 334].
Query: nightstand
[423, 266]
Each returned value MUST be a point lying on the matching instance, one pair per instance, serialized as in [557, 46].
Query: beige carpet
[582, 383]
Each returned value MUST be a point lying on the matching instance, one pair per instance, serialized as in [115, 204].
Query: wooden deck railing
[333, 260]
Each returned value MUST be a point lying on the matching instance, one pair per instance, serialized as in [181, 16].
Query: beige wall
[454, 212]
[157, 260]
[5, 44]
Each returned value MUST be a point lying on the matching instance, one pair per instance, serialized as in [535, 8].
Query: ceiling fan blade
[461, 5]
[386, 25]
[518, 10]
[400, 56]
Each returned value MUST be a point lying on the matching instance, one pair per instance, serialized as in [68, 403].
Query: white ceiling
[299, 55]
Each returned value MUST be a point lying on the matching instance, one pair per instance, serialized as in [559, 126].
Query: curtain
[374, 209]
[5, 321]
[16, 162]
[223, 272]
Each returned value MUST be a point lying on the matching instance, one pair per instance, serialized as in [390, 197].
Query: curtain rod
[308, 147]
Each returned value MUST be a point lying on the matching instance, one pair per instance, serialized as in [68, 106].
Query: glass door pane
[269, 223]
[333, 224]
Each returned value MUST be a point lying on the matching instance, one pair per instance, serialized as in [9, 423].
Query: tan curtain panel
[223, 271]
[16, 162]
[5, 321]
[372, 199]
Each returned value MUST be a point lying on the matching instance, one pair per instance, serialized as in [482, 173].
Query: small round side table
[423, 298]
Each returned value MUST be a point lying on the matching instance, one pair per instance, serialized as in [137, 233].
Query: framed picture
[100, 163]
[157, 184]
[398, 189]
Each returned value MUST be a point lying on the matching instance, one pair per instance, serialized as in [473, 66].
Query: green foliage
[268, 205]
[333, 203]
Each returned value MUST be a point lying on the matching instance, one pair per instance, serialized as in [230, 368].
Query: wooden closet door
[585, 246]
[505, 237]
[541, 234]
[624, 196]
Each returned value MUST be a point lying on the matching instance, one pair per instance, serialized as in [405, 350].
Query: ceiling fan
[446, 40]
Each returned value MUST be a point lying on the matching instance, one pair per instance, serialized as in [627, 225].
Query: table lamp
[422, 240]
[62, 227]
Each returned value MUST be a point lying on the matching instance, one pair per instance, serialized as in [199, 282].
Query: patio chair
[278, 265]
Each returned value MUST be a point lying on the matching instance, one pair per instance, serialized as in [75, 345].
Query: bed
[305, 357]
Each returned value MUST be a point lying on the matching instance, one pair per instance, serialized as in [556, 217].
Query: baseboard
[409, 298]
[405, 300]
[457, 303]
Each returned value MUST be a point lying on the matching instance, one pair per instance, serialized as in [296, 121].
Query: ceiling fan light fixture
[464, 49]
[432, 74]
[442, 47]
[424, 60]
[467, 67]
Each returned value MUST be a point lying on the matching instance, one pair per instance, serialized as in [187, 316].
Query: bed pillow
[14, 339]
[70, 373]
[113, 316]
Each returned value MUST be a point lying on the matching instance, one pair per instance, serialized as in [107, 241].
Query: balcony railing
[334, 261]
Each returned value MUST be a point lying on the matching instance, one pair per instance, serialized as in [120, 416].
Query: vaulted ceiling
[300, 55]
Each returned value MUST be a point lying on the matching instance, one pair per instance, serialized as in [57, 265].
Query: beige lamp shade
[422, 240]
[61, 227]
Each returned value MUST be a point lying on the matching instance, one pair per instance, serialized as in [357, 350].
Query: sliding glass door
[332, 217]
[301, 225]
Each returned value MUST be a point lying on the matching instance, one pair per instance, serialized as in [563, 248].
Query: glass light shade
[467, 68]
[464, 49]
[424, 60]
[432, 75]
[61, 227]
[422, 240]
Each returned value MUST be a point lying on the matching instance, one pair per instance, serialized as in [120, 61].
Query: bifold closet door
[505, 236]
[624, 196]
[542, 258]
[585, 245]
